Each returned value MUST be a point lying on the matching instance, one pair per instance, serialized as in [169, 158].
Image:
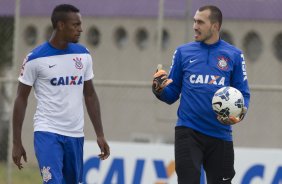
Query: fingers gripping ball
[228, 104]
[231, 120]
[160, 80]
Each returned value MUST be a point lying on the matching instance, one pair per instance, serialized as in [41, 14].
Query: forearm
[18, 118]
[169, 95]
[93, 109]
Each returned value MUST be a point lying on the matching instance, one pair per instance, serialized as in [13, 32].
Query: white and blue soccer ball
[228, 101]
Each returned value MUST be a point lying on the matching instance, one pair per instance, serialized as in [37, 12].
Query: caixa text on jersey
[67, 80]
[207, 79]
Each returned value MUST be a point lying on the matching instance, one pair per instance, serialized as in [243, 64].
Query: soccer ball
[228, 101]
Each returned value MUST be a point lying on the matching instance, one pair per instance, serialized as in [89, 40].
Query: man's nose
[80, 29]
[195, 26]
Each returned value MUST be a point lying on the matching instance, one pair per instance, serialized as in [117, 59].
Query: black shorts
[194, 150]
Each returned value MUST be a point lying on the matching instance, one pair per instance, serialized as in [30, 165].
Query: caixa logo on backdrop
[117, 172]
[259, 172]
[132, 163]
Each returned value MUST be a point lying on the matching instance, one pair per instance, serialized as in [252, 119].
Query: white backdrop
[135, 163]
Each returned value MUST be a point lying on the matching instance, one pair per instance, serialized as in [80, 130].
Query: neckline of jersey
[51, 46]
[216, 44]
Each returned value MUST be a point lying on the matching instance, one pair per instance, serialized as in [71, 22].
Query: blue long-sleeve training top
[198, 70]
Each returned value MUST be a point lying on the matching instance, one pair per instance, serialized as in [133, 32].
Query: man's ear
[216, 26]
[60, 25]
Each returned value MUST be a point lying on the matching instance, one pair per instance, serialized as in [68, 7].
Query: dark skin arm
[93, 109]
[18, 117]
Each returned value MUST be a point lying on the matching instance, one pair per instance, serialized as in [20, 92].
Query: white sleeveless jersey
[58, 77]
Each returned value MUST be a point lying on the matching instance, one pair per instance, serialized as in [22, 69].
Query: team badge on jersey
[222, 63]
[78, 63]
[46, 175]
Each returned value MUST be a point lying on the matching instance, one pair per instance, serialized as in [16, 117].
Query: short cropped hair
[60, 13]
[216, 14]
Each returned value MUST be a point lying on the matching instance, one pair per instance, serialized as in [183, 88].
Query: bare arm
[93, 109]
[18, 118]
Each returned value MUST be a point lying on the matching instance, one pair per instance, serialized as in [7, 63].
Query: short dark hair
[60, 13]
[215, 16]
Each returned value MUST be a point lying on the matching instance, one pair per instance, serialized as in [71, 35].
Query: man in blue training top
[198, 70]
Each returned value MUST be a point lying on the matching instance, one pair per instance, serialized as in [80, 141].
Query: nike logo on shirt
[51, 66]
[192, 60]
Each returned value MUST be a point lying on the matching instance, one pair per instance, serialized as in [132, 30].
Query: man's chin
[198, 40]
[74, 41]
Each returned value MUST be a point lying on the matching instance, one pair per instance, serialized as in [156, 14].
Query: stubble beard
[205, 37]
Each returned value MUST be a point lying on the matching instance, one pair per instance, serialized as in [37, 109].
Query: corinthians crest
[46, 175]
[78, 63]
[222, 63]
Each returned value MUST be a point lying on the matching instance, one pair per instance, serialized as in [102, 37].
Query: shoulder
[78, 48]
[232, 52]
[188, 49]
[188, 46]
[39, 51]
[46, 50]
[230, 48]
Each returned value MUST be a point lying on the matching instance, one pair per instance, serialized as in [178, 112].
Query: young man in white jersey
[60, 71]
